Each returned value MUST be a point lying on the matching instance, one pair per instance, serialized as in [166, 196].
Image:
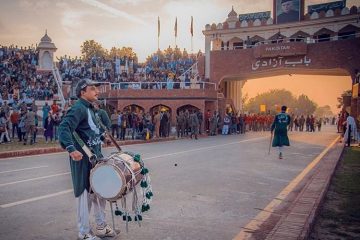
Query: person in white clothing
[351, 129]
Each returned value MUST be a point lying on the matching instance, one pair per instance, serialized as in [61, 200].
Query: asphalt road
[217, 187]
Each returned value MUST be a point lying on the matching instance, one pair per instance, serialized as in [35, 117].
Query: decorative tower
[46, 50]
[232, 18]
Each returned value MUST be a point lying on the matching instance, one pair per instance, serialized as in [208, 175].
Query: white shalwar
[84, 203]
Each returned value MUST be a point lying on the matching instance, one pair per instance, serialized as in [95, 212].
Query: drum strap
[85, 148]
[102, 125]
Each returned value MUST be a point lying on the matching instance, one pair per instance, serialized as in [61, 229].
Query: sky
[324, 90]
[131, 23]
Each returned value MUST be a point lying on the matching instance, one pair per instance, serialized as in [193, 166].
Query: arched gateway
[323, 44]
[324, 41]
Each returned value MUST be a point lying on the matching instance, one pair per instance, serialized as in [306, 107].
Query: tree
[91, 48]
[305, 106]
[323, 111]
[340, 99]
[271, 99]
[123, 52]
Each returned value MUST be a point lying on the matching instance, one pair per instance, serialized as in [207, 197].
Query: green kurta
[104, 117]
[281, 121]
[81, 118]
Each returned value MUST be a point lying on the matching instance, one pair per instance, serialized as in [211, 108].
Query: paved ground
[216, 188]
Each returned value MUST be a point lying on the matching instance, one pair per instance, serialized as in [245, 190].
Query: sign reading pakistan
[287, 11]
[254, 16]
[326, 6]
[282, 49]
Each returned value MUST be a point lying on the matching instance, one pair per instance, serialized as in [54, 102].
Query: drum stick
[108, 133]
[113, 141]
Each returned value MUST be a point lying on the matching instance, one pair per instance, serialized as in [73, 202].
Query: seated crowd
[19, 81]
[165, 67]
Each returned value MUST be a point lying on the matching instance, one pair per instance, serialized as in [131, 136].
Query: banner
[326, 6]
[262, 108]
[288, 11]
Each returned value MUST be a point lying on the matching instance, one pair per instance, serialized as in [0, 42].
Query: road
[217, 187]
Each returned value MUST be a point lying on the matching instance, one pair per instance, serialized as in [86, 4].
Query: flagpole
[192, 33]
[175, 28]
[192, 50]
[158, 33]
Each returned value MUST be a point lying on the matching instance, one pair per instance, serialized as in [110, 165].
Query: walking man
[280, 124]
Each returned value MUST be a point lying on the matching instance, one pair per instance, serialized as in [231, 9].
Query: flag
[175, 27]
[192, 27]
[158, 26]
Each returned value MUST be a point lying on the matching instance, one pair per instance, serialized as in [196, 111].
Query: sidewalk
[51, 149]
[292, 213]
[298, 221]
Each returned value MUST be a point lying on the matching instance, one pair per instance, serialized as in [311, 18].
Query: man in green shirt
[81, 122]
[281, 121]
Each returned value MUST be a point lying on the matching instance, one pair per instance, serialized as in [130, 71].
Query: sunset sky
[324, 90]
[118, 22]
[133, 23]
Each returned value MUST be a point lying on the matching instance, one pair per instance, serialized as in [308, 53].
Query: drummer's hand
[76, 156]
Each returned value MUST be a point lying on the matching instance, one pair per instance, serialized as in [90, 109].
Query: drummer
[81, 119]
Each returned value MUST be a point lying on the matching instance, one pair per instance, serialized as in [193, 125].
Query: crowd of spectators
[161, 70]
[19, 81]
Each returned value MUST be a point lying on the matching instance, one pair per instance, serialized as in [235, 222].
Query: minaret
[46, 50]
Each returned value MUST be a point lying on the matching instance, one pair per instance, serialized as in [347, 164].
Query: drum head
[106, 181]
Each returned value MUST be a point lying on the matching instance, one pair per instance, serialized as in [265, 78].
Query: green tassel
[137, 157]
[148, 195]
[145, 207]
[144, 184]
[129, 219]
[124, 218]
[118, 213]
[144, 171]
[140, 217]
[136, 218]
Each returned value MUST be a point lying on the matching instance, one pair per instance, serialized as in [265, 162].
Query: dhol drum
[115, 176]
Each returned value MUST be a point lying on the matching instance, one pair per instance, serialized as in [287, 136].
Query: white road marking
[70, 190]
[28, 156]
[34, 179]
[204, 148]
[23, 169]
[35, 199]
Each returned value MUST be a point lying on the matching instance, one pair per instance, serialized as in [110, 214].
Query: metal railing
[307, 40]
[58, 80]
[162, 85]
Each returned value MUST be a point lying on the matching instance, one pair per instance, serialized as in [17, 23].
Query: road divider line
[205, 148]
[35, 199]
[269, 209]
[34, 179]
[70, 190]
[23, 169]
[29, 156]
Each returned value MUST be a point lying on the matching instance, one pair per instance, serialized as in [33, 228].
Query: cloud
[36, 5]
[114, 11]
[72, 20]
[132, 2]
